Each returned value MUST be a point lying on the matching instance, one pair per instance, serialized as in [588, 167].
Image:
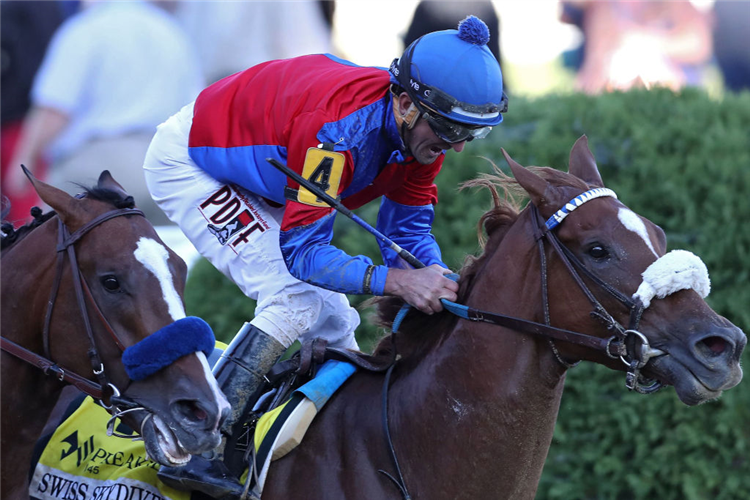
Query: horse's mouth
[162, 445]
[690, 388]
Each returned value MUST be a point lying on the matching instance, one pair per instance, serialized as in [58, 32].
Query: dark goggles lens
[452, 132]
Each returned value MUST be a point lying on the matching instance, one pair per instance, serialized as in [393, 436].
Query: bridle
[66, 246]
[627, 344]
[630, 345]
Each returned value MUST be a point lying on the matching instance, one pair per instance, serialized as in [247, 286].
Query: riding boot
[240, 373]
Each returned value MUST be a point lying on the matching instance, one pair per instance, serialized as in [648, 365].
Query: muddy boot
[240, 373]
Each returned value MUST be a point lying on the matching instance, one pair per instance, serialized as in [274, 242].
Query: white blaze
[154, 257]
[221, 400]
[632, 222]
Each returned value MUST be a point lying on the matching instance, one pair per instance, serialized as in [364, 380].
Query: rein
[66, 245]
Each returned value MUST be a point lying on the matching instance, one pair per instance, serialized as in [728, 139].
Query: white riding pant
[238, 232]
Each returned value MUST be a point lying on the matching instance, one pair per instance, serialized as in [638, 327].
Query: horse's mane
[12, 235]
[419, 332]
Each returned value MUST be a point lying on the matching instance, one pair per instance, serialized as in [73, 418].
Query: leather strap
[50, 368]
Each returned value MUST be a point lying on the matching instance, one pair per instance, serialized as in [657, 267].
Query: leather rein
[66, 245]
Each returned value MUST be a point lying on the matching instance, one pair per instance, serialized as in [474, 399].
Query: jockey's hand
[422, 288]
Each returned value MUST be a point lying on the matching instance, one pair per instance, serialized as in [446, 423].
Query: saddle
[296, 390]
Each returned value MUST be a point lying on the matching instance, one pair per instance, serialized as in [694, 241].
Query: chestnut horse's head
[686, 344]
[132, 287]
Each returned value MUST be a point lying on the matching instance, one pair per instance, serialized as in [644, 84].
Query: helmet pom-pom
[474, 31]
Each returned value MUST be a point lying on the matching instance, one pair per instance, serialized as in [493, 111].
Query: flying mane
[11, 235]
[421, 331]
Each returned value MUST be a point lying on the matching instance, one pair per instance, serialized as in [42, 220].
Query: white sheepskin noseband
[675, 271]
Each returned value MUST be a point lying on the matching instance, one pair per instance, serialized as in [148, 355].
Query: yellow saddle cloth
[80, 461]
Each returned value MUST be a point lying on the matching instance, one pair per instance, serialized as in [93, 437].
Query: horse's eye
[598, 252]
[110, 283]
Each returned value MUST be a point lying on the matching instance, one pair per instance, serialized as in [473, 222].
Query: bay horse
[471, 405]
[112, 285]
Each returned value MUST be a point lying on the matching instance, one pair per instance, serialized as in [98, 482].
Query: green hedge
[683, 161]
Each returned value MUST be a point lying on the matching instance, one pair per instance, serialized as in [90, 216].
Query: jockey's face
[421, 140]
[425, 145]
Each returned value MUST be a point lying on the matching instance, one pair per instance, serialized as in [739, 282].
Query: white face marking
[154, 257]
[221, 400]
[634, 223]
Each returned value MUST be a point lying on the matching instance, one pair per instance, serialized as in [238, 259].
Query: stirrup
[207, 476]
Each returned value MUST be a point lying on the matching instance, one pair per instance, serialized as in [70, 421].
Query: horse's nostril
[713, 346]
[200, 413]
[192, 411]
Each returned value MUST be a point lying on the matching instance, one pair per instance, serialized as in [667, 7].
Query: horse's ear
[106, 181]
[539, 190]
[66, 206]
[583, 165]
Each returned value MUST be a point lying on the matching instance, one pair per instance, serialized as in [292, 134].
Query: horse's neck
[28, 399]
[485, 406]
[488, 392]
[28, 394]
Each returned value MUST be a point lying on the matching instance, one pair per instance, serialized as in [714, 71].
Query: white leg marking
[154, 257]
[632, 222]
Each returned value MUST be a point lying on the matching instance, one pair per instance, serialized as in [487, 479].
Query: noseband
[66, 245]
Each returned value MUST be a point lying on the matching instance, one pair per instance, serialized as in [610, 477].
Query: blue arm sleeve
[310, 257]
[409, 227]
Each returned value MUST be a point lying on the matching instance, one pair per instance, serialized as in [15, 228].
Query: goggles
[450, 131]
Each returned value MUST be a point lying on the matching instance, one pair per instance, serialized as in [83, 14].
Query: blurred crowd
[85, 83]
[670, 43]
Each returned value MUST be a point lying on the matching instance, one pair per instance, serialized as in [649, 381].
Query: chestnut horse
[472, 405]
[112, 284]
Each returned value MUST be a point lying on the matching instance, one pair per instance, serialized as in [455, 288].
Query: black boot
[240, 373]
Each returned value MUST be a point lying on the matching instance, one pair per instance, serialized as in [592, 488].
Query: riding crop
[333, 203]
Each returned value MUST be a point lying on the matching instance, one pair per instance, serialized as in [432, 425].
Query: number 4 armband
[323, 167]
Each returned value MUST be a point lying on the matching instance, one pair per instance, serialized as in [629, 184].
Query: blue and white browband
[576, 202]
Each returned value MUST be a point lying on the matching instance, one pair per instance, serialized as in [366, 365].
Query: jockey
[358, 133]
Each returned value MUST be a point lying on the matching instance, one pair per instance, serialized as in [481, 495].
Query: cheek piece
[165, 346]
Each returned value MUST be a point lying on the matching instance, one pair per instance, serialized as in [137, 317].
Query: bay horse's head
[130, 294]
[656, 299]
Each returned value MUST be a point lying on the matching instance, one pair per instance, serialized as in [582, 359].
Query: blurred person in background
[431, 15]
[26, 29]
[111, 74]
[636, 43]
[233, 36]
[730, 45]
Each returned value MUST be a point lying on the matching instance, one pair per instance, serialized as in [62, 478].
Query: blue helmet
[454, 73]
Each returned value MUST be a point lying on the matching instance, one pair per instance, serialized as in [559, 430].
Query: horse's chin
[689, 388]
[162, 445]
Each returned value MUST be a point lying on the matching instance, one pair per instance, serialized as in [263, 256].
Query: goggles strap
[408, 119]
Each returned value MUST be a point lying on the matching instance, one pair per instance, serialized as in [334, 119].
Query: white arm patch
[675, 271]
